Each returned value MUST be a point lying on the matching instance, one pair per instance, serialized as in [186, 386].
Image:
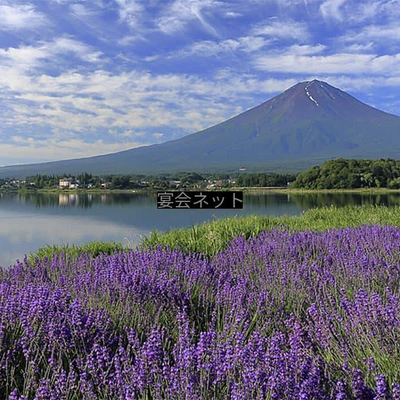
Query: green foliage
[351, 174]
[394, 183]
[191, 177]
[93, 248]
[186, 180]
[264, 179]
[120, 182]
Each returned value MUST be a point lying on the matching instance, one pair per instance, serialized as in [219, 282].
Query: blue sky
[80, 78]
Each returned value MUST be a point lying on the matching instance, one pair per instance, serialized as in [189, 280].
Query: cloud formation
[332, 9]
[16, 17]
[130, 12]
[79, 78]
[180, 12]
[341, 63]
[281, 29]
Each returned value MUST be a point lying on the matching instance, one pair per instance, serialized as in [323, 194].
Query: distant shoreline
[306, 191]
[77, 191]
[280, 190]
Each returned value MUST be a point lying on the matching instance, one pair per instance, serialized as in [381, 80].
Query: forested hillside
[351, 174]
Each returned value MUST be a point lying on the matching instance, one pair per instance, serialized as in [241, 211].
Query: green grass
[94, 248]
[211, 237]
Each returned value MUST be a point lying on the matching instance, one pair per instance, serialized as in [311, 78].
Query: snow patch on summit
[309, 95]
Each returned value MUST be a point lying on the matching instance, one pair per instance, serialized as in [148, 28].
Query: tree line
[334, 174]
[264, 179]
[351, 174]
[157, 181]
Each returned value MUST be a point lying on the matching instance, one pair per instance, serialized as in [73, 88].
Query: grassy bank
[211, 237]
[93, 249]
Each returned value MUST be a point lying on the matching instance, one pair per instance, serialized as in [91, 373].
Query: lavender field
[284, 315]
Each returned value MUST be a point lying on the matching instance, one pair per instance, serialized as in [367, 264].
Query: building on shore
[68, 183]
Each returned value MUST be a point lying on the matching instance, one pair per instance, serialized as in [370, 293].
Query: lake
[33, 220]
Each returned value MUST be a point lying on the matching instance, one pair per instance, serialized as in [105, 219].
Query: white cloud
[283, 3]
[377, 33]
[207, 48]
[32, 57]
[361, 84]
[59, 149]
[252, 44]
[20, 17]
[81, 11]
[368, 10]
[67, 45]
[330, 9]
[130, 12]
[283, 30]
[359, 48]
[130, 39]
[306, 49]
[59, 1]
[24, 57]
[386, 9]
[342, 63]
[181, 12]
[242, 84]
[232, 14]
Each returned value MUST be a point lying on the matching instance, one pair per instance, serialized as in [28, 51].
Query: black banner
[199, 200]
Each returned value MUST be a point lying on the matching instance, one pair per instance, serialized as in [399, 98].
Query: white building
[68, 183]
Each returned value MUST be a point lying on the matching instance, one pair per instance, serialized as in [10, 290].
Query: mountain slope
[307, 124]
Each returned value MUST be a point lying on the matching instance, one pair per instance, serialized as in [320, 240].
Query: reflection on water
[304, 200]
[311, 200]
[74, 199]
[32, 220]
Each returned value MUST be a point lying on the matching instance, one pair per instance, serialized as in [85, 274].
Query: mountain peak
[307, 124]
[319, 100]
[315, 81]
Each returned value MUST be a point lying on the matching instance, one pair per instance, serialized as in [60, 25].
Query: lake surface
[30, 221]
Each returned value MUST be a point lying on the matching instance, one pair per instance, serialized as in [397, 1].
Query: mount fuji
[307, 124]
